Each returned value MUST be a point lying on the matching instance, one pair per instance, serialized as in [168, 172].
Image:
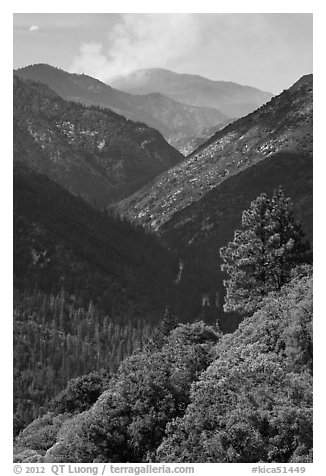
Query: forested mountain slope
[282, 125]
[189, 145]
[90, 151]
[254, 402]
[173, 119]
[199, 230]
[61, 241]
[219, 211]
[196, 397]
[88, 289]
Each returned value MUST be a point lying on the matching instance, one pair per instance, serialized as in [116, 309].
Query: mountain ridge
[283, 124]
[87, 287]
[172, 118]
[200, 77]
[51, 225]
[199, 230]
[90, 151]
[232, 99]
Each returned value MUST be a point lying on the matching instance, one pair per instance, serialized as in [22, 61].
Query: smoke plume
[139, 41]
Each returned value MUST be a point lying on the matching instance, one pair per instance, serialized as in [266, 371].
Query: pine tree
[168, 323]
[166, 326]
[263, 253]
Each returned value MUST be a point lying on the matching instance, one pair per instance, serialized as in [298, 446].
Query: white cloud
[34, 28]
[139, 41]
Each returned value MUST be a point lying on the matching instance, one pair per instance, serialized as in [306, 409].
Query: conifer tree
[263, 252]
[168, 322]
[160, 335]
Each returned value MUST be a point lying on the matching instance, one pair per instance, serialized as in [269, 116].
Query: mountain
[195, 396]
[173, 119]
[282, 125]
[88, 288]
[232, 99]
[197, 205]
[201, 229]
[218, 213]
[188, 145]
[61, 241]
[176, 121]
[92, 152]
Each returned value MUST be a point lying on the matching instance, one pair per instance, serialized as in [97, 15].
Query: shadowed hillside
[90, 151]
[175, 120]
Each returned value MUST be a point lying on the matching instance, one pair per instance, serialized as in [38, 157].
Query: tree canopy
[254, 402]
[263, 252]
[187, 393]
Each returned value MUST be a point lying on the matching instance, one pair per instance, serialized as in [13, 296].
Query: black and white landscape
[163, 238]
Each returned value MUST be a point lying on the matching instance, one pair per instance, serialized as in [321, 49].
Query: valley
[175, 120]
[282, 125]
[124, 196]
[92, 152]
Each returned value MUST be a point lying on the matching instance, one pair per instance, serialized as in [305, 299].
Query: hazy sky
[269, 51]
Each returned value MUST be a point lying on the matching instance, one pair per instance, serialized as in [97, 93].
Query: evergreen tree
[160, 335]
[263, 253]
[168, 323]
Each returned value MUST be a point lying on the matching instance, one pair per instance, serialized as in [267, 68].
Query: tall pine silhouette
[263, 252]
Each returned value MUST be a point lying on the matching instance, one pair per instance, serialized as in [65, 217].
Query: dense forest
[196, 205]
[61, 241]
[88, 288]
[162, 306]
[91, 151]
[54, 341]
[199, 230]
[187, 393]
[195, 396]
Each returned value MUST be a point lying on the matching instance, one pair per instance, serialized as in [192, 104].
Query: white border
[60, 6]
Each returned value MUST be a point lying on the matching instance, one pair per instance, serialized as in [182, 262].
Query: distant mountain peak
[170, 73]
[39, 68]
[233, 99]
